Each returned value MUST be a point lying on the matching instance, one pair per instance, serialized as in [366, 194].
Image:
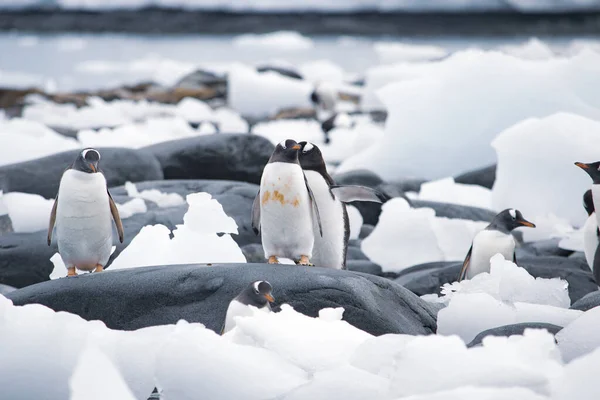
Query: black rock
[288, 72]
[355, 253]
[141, 297]
[236, 157]
[483, 177]
[456, 210]
[5, 224]
[364, 266]
[202, 79]
[428, 278]
[588, 301]
[543, 248]
[42, 176]
[365, 231]
[254, 253]
[515, 329]
[360, 177]
[405, 185]
[5, 289]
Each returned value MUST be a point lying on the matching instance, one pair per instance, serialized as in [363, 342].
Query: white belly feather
[328, 250]
[590, 239]
[83, 220]
[237, 309]
[487, 244]
[285, 212]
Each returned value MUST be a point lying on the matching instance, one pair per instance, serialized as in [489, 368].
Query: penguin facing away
[284, 209]
[330, 249]
[82, 212]
[257, 294]
[495, 238]
[590, 230]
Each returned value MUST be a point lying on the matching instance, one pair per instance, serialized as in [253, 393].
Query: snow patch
[161, 199]
[281, 41]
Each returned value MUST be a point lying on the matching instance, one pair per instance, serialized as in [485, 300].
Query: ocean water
[66, 62]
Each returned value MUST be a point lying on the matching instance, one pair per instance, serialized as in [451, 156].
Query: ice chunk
[447, 191]
[356, 221]
[194, 110]
[456, 137]
[154, 195]
[296, 129]
[282, 40]
[533, 49]
[547, 226]
[132, 207]
[230, 121]
[418, 236]
[378, 355]
[28, 212]
[96, 378]
[196, 241]
[263, 94]
[60, 270]
[391, 52]
[23, 140]
[480, 393]
[535, 165]
[322, 70]
[580, 336]
[577, 380]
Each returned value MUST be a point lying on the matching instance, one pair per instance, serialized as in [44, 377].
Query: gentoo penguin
[284, 209]
[82, 213]
[330, 249]
[590, 229]
[593, 170]
[324, 98]
[257, 294]
[495, 238]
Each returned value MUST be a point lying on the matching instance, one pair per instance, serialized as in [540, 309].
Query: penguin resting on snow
[284, 209]
[82, 212]
[495, 238]
[330, 249]
[257, 294]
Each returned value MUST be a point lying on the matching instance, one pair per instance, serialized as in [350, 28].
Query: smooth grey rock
[588, 301]
[254, 253]
[5, 224]
[288, 72]
[360, 177]
[365, 231]
[542, 248]
[5, 289]
[235, 157]
[140, 297]
[364, 266]
[514, 329]
[456, 211]
[355, 253]
[483, 177]
[428, 278]
[42, 176]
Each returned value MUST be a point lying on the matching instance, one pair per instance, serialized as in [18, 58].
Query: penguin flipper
[256, 214]
[349, 193]
[52, 220]
[465, 267]
[515, 257]
[115, 214]
[596, 265]
[314, 205]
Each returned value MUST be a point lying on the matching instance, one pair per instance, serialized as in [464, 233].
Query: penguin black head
[592, 169]
[87, 161]
[588, 202]
[257, 294]
[311, 159]
[508, 220]
[314, 97]
[286, 151]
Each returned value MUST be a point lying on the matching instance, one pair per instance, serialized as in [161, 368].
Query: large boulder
[428, 278]
[514, 329]
[588, 301]
[457, 211]
[42, 176]
[141, 297]
[236, 157]
[483, 177]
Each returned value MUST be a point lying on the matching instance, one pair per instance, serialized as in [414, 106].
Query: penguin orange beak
[526, 223]
[296, 147]
[582, 165]
[269, 298]
[93, 167]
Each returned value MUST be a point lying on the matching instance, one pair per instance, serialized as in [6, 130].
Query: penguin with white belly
[495, 238]
[284, 210]
[83, 212]
[257, 294]
[330, 249]
[593, 170]
[590, 230]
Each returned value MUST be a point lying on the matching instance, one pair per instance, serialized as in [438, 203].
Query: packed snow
[391, 52]
[447, 191]
[154, 195]
[282, 40]
[28, 212]
[536, 172]
[196, 241]
[406, 236]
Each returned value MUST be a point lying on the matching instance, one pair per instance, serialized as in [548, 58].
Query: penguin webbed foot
[71, 272]
[304, 261]
[273, 260]
[99, 268]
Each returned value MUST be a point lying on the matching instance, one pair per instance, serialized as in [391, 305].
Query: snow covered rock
[485, 177]
[580, 336]
[42, 176]
[535, 166]
[197, 293]
[439, 126]
[237, 157]
[587, 302]
[514, 329]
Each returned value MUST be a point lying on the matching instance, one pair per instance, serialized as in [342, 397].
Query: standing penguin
[284, 209]
[590, 229]
[593, 170]
[495, 238]
[82, 213]
[257, 294]
[330, 249]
